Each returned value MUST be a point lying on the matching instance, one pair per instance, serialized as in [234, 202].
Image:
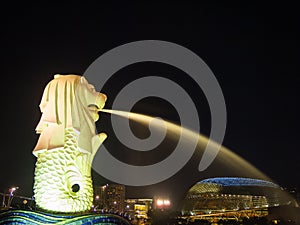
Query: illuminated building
[138, 208]
[100, 197]
[115, 197]
[110, 197]
[231, 196]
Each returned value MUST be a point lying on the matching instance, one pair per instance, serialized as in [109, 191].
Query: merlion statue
[67, 144]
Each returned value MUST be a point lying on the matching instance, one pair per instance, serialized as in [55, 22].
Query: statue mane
[68, 101]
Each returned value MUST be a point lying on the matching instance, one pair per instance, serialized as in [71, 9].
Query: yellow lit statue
[67, 144]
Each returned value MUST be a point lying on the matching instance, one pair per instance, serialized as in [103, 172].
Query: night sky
[252, 49]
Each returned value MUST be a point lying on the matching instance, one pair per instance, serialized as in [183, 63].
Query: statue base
[14, 216]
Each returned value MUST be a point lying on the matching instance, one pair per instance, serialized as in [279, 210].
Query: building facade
[110, 197]
[233, 196]
[138, 208]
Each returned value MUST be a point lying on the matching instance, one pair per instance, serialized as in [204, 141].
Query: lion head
[68, 101]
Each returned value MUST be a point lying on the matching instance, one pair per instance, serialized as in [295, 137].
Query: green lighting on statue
[67, 144]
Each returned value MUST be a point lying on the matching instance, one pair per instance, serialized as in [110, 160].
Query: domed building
[229, 196]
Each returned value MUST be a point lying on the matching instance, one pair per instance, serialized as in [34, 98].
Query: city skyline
[252, 51]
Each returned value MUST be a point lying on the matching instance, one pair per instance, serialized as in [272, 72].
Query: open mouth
[93, 107]
[98, 104]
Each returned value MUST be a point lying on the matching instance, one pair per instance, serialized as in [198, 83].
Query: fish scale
[52, 180]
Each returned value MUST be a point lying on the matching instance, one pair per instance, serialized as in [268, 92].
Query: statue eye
[75, 188]
[92, 87]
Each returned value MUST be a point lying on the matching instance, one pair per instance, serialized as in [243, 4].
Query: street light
[163, 203]
[11, 194]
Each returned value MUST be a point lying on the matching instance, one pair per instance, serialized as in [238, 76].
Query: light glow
[163, 203]
[159, 202]
[167, 202]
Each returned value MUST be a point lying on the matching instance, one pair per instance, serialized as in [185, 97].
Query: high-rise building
[110, 197]
[100, 198]
[115, 197]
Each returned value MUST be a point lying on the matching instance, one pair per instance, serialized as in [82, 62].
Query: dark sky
[252, 49]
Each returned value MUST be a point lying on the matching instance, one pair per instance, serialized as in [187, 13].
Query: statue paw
[97, 141]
